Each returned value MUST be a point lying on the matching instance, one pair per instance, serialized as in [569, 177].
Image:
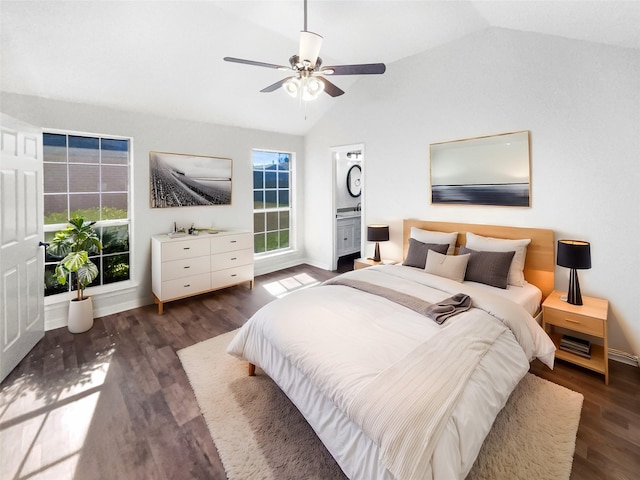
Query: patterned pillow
[490, 268]
[417, 254]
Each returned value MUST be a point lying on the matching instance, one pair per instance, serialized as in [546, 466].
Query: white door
[21, 230]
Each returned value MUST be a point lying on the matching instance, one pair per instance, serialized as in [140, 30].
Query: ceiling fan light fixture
[310, 44]
[292, 87]
[311, 88]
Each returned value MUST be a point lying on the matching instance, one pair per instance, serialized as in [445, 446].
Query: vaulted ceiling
[165, 57]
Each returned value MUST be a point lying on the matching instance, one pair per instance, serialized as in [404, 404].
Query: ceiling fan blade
[330, 88]
[275, 86]
[362, 69]
[254, 63]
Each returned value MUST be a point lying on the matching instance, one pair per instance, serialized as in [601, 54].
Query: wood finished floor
[114, 402]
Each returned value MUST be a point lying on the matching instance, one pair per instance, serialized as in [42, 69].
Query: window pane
[259, 243]
[283, 161]
[258, 199]
[115, 239]
[272, 221]
[270, 199]
[116, 268]
[258, 222]
[283, 198]
[51, 285]
[84, 178]
[284, 220]
[258, 179]
[270, 179]
[55, 209]
[54, 147]
[85, 205]
[283, 179]
[272, 241]
[83, 149]
[114, 206]
[284, 238]
[115, 151]
[114, 179]
[55, 177]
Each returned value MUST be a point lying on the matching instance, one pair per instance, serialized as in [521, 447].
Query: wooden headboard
[539, 265]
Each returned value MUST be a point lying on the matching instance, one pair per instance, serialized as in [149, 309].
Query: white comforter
[340, 339]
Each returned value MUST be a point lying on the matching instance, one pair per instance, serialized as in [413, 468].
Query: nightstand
[359, 263]
[589, 319]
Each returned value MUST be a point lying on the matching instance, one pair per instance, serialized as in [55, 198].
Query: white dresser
[186, 266]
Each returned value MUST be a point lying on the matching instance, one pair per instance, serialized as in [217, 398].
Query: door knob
[43, 244]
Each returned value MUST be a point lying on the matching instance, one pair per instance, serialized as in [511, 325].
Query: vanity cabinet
[186, 266]
[348, 235]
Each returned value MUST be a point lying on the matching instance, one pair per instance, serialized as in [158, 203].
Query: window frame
[291, 209]
[100, 224]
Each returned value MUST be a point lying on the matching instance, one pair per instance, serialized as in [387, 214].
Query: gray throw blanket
[438, 312]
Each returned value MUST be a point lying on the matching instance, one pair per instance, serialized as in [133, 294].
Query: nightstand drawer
[573, 321]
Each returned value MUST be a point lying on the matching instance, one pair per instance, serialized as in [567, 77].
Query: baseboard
[623, 357]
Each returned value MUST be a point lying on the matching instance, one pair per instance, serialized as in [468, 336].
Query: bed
[391, 392]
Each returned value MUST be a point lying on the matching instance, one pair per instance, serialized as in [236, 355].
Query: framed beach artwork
[181, 180]
[492, 170]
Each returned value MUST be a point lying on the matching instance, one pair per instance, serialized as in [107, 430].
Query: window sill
[103, 291]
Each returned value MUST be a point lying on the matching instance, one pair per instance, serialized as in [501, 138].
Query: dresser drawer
[185, 249]
[183, 287]
[574, 321]
[220, 261]
[186, 267]
[231, 276]
[228, 243]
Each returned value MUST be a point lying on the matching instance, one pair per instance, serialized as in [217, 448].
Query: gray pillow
[417, 254]
[490, 268]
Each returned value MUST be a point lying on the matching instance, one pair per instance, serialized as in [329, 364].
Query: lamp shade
[574, 254]
[377, 233]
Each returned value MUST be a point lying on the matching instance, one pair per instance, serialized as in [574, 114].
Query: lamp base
[376, 253]
[573, 296]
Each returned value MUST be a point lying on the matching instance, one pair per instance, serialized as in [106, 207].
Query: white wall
[581, 103]
[151, 133]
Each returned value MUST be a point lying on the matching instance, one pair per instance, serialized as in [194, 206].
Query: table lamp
[574, 254]
[377, 233]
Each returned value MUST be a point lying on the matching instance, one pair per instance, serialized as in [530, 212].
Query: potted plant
[74, 244]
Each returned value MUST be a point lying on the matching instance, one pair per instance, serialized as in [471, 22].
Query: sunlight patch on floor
[43, 426]
[283, 287]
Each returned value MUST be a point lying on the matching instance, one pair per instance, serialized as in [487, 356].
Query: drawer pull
[188, 266]
[233, 241]
[186, 248]
[234, 275]
[234, 258]
[572, 321]
[187, 285]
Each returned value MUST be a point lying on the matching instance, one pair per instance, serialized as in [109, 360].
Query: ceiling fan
[308, 81]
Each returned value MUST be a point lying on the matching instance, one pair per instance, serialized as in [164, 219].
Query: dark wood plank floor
[114, 402]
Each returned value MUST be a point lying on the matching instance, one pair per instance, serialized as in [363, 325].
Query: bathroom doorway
[348, 202]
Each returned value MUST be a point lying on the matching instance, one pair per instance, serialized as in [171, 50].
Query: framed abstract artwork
[491, 170]
[181, 180]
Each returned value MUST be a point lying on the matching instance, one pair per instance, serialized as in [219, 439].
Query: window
[272, 209]
[88, 176]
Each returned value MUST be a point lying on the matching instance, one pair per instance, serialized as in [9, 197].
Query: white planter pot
[80, 315]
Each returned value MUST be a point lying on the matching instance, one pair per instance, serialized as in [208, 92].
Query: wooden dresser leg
[252, 369]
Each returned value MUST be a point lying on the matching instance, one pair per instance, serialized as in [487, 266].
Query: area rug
[259, 434]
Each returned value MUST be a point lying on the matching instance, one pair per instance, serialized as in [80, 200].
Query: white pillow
[448, 266]
[489, 244]
[440, 238]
